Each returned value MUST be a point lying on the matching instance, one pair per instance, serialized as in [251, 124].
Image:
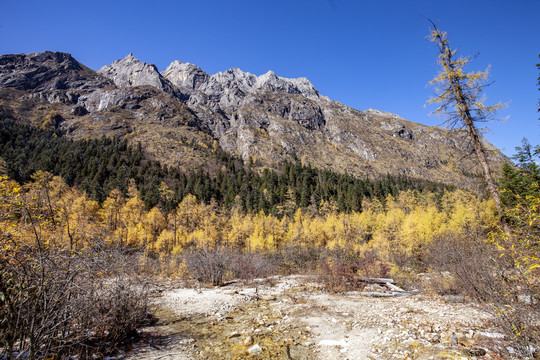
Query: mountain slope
[266, 118]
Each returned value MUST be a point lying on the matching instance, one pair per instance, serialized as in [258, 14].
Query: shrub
[209, 265]
[470, 262]
[489, 275]
[67, 303]
[342, 269]
[249, 265]
[298, 259]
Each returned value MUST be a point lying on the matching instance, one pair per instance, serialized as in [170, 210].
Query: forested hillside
[100, 166]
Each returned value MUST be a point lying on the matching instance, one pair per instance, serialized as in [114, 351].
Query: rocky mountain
[266, 118]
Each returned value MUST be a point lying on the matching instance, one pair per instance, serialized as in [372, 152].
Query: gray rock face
[47, 71]
[216, 98]
[266, 117]
[227, 91]
[301, 86]
[129, 72]
[223, 93]
[99, 99]
[185, 75]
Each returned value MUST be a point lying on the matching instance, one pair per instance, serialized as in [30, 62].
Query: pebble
[248, 340]
[255, 349]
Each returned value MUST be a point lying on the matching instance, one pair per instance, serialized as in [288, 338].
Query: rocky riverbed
[293, 318]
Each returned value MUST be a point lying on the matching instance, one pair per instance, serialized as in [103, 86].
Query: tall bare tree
[458, 97]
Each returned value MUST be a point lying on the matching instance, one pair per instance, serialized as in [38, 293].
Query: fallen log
[382, 281]
[383, 294]
[393, 287]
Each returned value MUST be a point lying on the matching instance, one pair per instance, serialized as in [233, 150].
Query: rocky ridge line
[266, 117]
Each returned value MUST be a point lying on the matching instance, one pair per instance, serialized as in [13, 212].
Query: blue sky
[365, 54]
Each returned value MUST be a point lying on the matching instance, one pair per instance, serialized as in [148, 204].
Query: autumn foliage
[63, 291]
[56, 241]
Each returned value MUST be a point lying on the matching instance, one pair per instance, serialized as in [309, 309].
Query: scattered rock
[341, 343]
[248, 340]
[255, 349]
[477, 351]
[433, 337]
[435, 353]
[525, 299]
[454, 298]
[493, 335]
[325, 326]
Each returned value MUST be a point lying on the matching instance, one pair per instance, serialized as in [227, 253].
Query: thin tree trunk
[468, 121]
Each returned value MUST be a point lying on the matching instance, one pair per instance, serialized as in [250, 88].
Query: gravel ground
[292, 318]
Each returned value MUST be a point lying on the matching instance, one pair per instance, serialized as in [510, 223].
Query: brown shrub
[67, 303]
[469, 261]
[250, 265]
[476, 269]
[342, 269]
[209, 265]
[216, 265]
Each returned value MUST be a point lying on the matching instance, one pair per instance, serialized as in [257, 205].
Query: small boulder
[454, 299]
[255, 349]
[477, 351]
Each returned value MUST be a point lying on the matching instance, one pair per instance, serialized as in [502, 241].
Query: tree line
[99, 166]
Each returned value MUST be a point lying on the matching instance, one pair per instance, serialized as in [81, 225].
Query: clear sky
[365, 54]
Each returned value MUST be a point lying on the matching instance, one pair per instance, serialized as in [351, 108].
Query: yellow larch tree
[154, 223]
[132, 213]
[110, 211]
[458, 96]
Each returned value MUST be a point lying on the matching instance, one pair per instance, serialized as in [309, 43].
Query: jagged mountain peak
[266, 117]
[272, 82]
[129, 60]
[185, 75]
[130, 71]
[57, 57]
[47, 71]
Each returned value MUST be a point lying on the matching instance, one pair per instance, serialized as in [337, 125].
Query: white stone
[341, 343]
[255, 349]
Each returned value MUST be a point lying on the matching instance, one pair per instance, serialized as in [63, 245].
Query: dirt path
[291, 318]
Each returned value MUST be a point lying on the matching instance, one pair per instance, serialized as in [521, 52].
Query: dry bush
[215, 266]
[209, 265]
[470, 262]
[298, 259]
[338, 278]
[250, 265]
[476, 269]
[61, 303]
[343, 269]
